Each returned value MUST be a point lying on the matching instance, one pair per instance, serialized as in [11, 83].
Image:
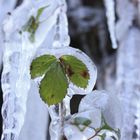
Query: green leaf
[40, 65]
[76, 70]
[53, 87]
[33, 24]
[39, 12]
[27, 26]
[105, 126]
[103, 136]
[82, 121]
[31, 27]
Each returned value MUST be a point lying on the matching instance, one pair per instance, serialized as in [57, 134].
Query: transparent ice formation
[108, 103]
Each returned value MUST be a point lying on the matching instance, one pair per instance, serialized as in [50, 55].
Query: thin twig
[96, 133]
[61, 116]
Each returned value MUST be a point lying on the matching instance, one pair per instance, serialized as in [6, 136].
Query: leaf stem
[96, 134]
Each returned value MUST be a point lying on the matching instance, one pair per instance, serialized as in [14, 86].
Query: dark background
[88, 31]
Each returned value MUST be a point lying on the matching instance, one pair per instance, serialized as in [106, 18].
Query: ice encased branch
[18, 54]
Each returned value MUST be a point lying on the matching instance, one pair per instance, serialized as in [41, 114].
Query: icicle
[110, 13]
[61, 38]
